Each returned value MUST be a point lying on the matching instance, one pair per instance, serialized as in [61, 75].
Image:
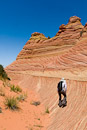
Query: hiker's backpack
[60, 86]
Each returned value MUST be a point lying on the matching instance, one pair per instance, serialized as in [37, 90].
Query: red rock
[73, 25]
[43, 62]
[36, 37]
[74, 19]
[37, 34]
[40, 53]
[85, 25]
[62, 27]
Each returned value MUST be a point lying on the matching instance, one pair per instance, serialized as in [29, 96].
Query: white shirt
[64, 85]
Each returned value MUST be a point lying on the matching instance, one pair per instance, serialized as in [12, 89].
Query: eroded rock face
[66, 51]
[36, 34]
[85, 25]
[43, 62]
[39, 45]
[74, 19]
[37, 37]
[73, 27]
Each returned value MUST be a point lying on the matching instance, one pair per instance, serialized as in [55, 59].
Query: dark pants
[64, 94]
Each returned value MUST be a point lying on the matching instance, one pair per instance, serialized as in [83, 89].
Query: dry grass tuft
[11, 103]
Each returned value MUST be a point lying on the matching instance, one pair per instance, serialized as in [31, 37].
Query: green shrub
[15, 88]
[22, 97]
[1, 69]
[18, 89]
[48, 37]
[11, 103]
[3, 74]
[47, 110]
[0, 110]
[4, 84]
[38, 126]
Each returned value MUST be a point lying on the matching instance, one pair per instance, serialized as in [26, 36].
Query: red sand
[29, 117]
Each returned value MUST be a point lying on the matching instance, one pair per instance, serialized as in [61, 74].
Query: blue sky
[20, 18]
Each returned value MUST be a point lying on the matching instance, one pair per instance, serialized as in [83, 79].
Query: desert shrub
[36, 103]
[0, 110]
[48, 37]
[18, 89]
[12, 87]
[1, 69]
[47, 110]
[38, 126]
[11, 103]
[3, 73]
[15, 88]
[22, 97]
[4, 84]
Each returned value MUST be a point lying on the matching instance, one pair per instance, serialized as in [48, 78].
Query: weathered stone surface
[37, 37]
[74, 19]
[43, 62]
[62, 27]
[85, 25]
[37, 34]
[39, 45]
[74, 26]
[66, 51]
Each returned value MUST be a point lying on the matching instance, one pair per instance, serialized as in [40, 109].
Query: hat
[62, 79]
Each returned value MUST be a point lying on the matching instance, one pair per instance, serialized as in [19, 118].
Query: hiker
[62, 88]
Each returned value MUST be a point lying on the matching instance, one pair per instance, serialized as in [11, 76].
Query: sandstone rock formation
[42, 62]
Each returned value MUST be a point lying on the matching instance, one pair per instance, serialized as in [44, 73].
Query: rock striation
[42, 62]
[38, 45]
[74, 26]
[65, 51]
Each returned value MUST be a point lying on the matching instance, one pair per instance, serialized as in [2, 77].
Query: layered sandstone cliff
[42, 62]
[66, 51]
[39, 45]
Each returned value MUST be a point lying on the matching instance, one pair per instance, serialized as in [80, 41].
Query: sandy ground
[28, 117]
